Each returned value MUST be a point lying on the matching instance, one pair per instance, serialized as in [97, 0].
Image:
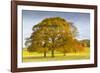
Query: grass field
[38, 57]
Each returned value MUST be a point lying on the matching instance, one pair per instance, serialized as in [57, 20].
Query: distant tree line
[86, 42]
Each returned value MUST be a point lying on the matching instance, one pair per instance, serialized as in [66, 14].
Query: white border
[52, 63]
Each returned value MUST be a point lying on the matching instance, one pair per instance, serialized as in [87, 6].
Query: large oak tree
[51, 34]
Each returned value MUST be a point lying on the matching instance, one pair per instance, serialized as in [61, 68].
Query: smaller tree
[85, 42]
[78, 47]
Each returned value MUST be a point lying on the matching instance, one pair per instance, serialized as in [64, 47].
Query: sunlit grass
[37, 57]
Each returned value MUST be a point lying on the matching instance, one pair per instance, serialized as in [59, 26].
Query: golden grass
[37, 57]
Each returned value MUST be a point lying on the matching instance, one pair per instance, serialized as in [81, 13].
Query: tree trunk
[44, 50]
[52, 53]
[45, 54]
[64, 54]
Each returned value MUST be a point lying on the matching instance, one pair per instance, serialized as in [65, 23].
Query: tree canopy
[51, 34]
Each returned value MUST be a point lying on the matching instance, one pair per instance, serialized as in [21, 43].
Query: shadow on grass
[40, 57]
[56, 58]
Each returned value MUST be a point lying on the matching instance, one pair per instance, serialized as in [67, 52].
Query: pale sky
[80, 20]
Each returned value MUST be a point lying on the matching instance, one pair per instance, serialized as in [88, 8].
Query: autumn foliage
[54, 34]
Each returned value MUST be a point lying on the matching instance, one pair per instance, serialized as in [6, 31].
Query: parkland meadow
[38, 57]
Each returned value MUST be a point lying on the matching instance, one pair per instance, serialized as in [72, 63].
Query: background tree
[85, 42]
[78, 46]
[51, 34]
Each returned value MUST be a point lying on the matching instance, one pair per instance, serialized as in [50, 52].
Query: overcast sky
[80, 20]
